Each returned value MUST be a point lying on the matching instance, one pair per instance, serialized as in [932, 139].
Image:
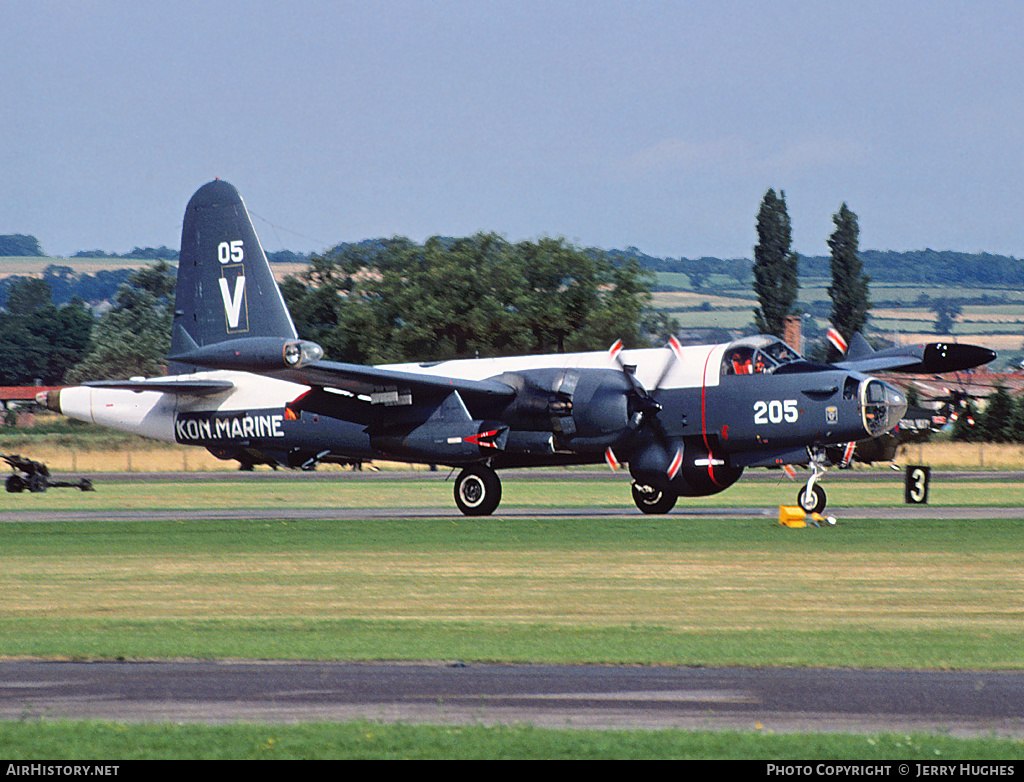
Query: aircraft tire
[477, 490]
[652, 500]
[817, 494]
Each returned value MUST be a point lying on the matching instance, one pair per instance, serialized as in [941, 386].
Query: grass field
[376, 741]
[632, 589]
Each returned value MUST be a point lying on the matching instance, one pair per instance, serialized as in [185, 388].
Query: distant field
[998, 325]
[34, 266]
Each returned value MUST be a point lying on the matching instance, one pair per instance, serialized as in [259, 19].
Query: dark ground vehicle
[37, 476]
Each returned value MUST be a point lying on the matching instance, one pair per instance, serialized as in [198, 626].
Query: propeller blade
[614, 354]
[615, 349]
[676, 355]
[609, 456]
[675, 346]
[848, 453]
[647, 405]
[675, 465]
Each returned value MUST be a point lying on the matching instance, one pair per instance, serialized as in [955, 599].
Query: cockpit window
[757, 356]
[781, 352]
[738, 361]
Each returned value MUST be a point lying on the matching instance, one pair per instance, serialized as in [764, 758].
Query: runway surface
[958, 703]
[13, 513]
[298, 514]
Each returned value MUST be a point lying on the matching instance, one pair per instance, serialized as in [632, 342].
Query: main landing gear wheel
[650, 499]
[811, 499]
[477, 490]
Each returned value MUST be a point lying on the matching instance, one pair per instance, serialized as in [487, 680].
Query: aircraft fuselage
[749, 420]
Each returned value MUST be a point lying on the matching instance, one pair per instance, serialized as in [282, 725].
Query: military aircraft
[686, 420]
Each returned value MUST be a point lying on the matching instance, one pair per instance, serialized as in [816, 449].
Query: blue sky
[652, 124]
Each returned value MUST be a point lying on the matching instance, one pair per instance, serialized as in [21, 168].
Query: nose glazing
[882, 406]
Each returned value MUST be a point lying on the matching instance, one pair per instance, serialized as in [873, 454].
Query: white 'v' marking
[232, 303]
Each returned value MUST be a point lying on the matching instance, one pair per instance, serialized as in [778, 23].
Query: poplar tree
[849, 289]
[775, 265]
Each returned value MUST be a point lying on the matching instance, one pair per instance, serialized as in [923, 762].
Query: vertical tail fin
[225, 287]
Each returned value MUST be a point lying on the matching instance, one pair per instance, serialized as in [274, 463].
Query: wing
[392, 387]
[929, 357]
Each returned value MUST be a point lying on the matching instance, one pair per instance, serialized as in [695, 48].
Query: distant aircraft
[686, 420]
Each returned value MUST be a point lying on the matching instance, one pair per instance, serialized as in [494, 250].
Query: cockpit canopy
[758, 355]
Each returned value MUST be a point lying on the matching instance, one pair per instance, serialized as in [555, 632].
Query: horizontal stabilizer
[185, 387]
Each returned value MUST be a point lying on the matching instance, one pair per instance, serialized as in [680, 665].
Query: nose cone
[882, 406]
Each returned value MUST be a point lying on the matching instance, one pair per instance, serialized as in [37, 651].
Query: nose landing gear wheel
[477, 490]
[811, 500]
[650, 499]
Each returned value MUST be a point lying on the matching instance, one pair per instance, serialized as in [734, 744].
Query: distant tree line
[66, 285]
[924, 267]
[931, 267]
[396, 300]
[913, 267]
[161, 253]
[19, 245]
[101, 286]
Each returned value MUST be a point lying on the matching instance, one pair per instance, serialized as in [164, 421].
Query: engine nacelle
[584, 410]
[702, 469]
[253, 354]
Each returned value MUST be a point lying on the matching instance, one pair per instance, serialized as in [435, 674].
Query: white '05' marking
[231, 252]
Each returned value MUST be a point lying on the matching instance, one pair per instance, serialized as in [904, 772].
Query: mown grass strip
[354, 639]
[371, 740]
